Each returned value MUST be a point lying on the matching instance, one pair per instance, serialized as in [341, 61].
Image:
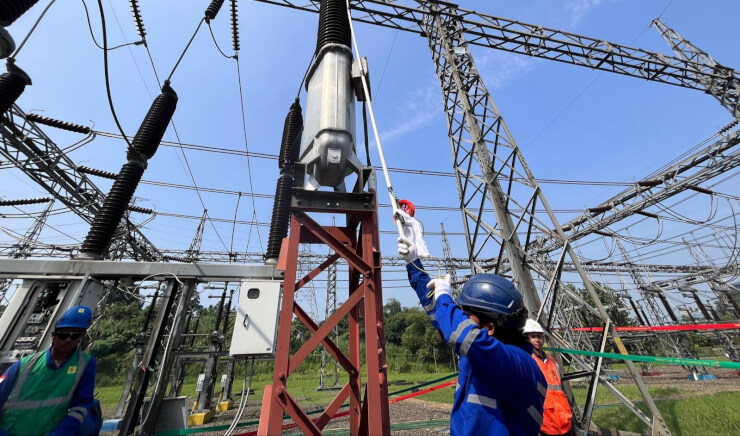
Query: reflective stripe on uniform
[535, 414]
[468, 341]
[458, 331]
[483, 401]
[429, 307]
[12, 402]
[15, 393]
[457, 386]
[78, 413]
[541, 389]
[555, 387]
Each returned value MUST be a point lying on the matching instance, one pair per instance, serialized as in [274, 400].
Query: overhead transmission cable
[33, 28]
[142, 33]
[107, 74]
[92, 33]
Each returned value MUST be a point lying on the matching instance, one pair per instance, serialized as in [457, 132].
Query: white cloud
[497, 67]
[419, 109]
[578, 9]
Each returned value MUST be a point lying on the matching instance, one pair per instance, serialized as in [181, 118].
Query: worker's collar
[542, 356]
[50, 359]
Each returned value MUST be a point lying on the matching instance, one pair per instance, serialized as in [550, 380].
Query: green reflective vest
[40, 396]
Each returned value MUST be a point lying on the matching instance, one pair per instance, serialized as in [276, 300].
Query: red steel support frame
[369, 413]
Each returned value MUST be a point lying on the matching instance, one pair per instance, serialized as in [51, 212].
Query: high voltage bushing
[333, 24]
[12, 85]
[213, 8]
[59, 124]
[143, 147]
[289, 150]
[11, 10]
[96, 172]
[24, 201]
[290, 147]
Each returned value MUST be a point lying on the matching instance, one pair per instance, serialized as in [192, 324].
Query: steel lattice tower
[493, 179]
[24, 248]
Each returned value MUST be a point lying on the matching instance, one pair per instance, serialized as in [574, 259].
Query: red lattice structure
[358, 245]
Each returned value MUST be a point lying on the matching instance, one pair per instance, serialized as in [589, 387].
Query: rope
[366, 88]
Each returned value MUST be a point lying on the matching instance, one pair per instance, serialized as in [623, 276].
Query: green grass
[715, 414]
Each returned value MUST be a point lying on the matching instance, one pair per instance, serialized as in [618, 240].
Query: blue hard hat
[491, 293]
[77, 317]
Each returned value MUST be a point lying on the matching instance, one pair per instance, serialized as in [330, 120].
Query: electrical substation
[640, 280]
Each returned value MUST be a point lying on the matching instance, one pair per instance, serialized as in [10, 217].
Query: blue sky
[572, 123]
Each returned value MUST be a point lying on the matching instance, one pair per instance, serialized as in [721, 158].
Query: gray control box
[255, 330]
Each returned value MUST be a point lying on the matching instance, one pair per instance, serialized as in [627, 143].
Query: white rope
[366, 88]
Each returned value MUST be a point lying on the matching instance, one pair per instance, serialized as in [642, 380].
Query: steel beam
[537, 41]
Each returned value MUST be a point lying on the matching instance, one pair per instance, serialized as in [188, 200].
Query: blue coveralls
[500, 390]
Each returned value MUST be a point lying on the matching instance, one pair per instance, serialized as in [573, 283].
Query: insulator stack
[290, 146]
[96, 172]
[289, 149]
[137, 19]
[280, 217]
[213, 8]
[59, 124]
[333, 24]
[143, 147]
[235, 26]
[11, 10]
[144, 210]
[732, 124]
[12, 85]
[24, 201]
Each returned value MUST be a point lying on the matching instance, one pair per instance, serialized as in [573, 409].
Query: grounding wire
[107, 76]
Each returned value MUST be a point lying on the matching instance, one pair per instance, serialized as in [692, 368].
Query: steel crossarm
[718, 158]
[537, 41]
[26, 146]
[725, 90]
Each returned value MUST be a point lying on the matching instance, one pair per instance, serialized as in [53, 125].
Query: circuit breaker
[255, 329]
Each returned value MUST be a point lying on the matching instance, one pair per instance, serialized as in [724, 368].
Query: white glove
[414, 232]
[439, 287]
[407, 250]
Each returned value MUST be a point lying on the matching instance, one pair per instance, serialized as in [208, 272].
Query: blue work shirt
[82, 397]
[501, 390]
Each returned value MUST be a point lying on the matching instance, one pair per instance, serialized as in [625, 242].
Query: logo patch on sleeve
[72, 370]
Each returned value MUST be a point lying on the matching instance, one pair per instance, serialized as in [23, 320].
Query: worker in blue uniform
[500, 389]
[51, 392]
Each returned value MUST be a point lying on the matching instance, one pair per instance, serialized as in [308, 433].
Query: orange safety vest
[556, 417]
